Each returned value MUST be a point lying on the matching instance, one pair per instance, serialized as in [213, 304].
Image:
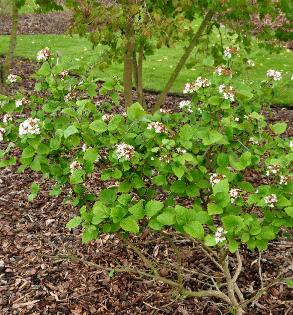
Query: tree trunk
[141, 97]
[137, 75]
[128, 58]
[12, 42]
[182, 61]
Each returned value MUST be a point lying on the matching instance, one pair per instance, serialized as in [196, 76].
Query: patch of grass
[157, 68]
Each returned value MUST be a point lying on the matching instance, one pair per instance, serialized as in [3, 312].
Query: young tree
[127, 26]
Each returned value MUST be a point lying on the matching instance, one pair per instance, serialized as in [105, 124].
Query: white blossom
[2, 131]
[236, 119]
[181, 151]
[271, 200]
[124, 150]
[291, 144]
[253, 140]
[223, 70]
[29, 126]
[274, 74]
[234, 194]
[228, 92]
[44, 54]
[6, 118]
[284, 179]
[250, 63]
[12, 78]
[107, 117]
[84, 147]
[75, 165]
[186, 104]
[63, 74]
[157, 126]
[70, 96]
[192, 87]
[229, 51]
[273, 169]
[216, 178]
[220, 235]
[20, 102]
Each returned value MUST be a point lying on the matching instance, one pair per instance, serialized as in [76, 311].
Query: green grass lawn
[157, 68]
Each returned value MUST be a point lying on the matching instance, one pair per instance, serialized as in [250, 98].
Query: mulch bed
[38, 273]
[49, 23]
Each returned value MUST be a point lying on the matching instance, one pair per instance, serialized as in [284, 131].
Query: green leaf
[108, 196]
[233, 246]
[74, 222]
[279, 128]
[289, 211]
[153, 207]
[135, 112]
[209, 240]
[35, 188]
[194, 229]
[28, 152]
[91, 155]
[71, 130]
[100, 212]
[129, 224]
[290, 283]
[99, 126]
[178, 171]
[115, 122]
[186, 132]
[214, 209]
[90, 233]
[167, 217]
[221, 186]
[137, 210]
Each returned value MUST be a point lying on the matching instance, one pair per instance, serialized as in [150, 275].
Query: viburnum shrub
[181, 172]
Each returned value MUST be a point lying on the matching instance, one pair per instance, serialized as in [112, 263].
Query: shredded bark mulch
[43, 23]
[45, 269]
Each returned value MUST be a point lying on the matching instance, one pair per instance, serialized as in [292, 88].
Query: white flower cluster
[273, 169]
[75, 165]
[20, 102]
[228, 92]
[234, 194]
[124, 150]
[44, 54]
[186, 104]
[70, 96]
[107, 117]
[274, 74]
[250, 63]
[223, 70]
[64, 74]
[229, 51]
[284, 179]
[200, 82]
[29, 126]
[220, 235]
[181, 151]
[157, 126]
[253, 140]
[271, 200]
[2, 131]
[216, 178]
[6, 118]
[12, 78]
[165, 158]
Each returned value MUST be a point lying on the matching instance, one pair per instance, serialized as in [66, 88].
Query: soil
[44, 268]
[49, 23]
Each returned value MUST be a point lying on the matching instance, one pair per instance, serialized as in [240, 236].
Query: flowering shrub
[200, 154]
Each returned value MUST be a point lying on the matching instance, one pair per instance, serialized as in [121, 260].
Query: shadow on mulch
[39, 275]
